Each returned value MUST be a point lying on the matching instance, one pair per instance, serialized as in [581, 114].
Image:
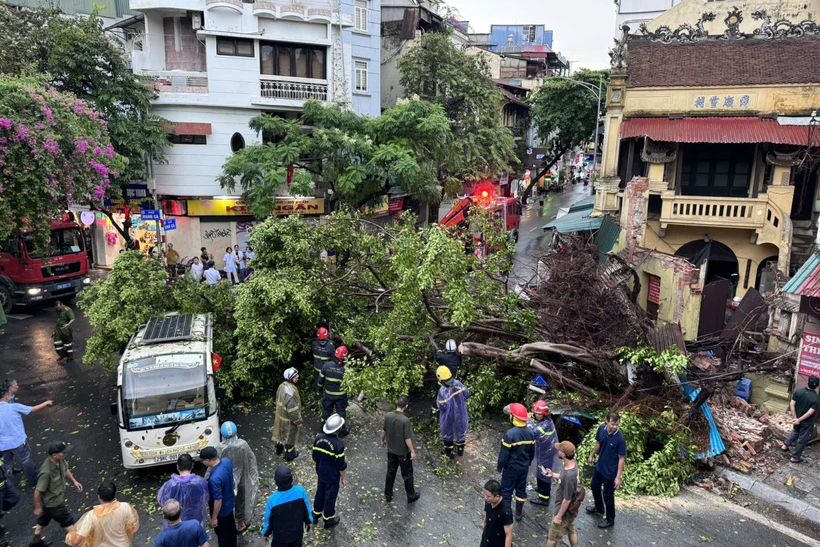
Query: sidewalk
[793, 486]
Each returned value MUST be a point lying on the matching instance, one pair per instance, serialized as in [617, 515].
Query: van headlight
[87, 281]
[34, 291]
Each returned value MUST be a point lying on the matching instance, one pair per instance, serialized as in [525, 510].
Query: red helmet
[321, 334]
[341, 352]
[541, 407]
[519, 411]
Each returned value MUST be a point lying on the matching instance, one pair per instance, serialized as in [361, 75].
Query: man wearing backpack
[569, 496]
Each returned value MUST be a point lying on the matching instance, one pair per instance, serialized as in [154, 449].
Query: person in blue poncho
[451, 403]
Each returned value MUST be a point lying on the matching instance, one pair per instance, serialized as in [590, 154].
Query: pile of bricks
[747, 439]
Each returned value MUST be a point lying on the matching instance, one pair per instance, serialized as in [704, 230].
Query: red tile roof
[715, 130]
[719, 62]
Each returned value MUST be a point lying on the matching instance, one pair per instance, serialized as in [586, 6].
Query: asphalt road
[450, 509]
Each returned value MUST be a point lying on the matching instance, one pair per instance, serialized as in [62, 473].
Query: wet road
[448, 513]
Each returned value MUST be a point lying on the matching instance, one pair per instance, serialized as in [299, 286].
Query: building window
[361, 15]
[237, 47]
[717, 170]
[529, 33]
[237, 142]
[187, 139]
[361, 76]
[294, 60]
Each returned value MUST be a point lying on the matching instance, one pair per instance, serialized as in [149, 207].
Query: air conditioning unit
[196, 20]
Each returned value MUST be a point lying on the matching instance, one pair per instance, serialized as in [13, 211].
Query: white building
[635, 12]
[218, 63]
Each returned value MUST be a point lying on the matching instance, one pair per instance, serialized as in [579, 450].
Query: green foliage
[566, 111]
[360, 158]
[439, 71]
[666, 470]
[54, 150]
[75, 55]
[491, 389]
[137, 290]
[670, 360]
[134, 292]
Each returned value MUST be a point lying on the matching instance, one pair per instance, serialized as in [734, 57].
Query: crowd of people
[237, 265]
[226, 497]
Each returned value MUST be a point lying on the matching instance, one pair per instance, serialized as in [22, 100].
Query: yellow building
[708, 121]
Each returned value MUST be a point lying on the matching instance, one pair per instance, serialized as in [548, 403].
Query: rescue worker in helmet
[323, 351]
[451, 403]
[288, 418]
[334, 399]
[449, 357]
[515, 458]
[329, 455]
[545, 441]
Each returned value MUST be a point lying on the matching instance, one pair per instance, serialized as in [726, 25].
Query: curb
[772, 495]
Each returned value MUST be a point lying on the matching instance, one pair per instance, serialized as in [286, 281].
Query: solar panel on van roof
[168, 329]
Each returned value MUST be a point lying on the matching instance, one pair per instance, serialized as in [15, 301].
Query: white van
[167, 401]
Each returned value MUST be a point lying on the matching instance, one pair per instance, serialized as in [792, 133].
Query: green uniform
[64, 334]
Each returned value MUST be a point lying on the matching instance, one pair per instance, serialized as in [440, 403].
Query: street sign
[170, 224]
[149, 214]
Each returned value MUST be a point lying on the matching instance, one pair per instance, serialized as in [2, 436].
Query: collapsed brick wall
[637, 196]
[191, 54]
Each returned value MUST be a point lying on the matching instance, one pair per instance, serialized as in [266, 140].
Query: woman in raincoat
[545, 440]
[451, 404]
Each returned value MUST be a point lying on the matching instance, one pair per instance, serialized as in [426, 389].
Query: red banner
[654, 289]
[809, 361]
[395, 204]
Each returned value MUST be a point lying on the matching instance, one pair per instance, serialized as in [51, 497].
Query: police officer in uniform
[330, 381]
[329, 455]
[323, 350]
[515, 458]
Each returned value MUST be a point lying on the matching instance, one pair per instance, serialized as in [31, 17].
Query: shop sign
[176, 207]
[654, 295]
[381, 209]
[395, 205]
[138, 192]
[235, 207]
[809, 360]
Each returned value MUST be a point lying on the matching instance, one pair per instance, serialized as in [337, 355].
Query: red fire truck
[27, 277]
[486, 196]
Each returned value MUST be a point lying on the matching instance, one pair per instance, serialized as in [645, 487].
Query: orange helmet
[341, 352]
[321, 334]
[519, 411]
[541, 407]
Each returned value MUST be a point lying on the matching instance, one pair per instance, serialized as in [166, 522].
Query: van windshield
[164, 390]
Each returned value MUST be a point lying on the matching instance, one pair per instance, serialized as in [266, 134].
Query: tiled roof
[715, 130]
[718, 62]
[806, 282]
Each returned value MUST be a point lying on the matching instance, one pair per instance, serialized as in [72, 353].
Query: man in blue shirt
[13, 438]
[287, 512]
[220, 485]
[611, 449]
[180, 533]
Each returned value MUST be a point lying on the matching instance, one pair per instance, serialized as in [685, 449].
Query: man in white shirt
[212, 275]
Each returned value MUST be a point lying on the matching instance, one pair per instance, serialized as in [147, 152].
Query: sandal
[783, 447]
[795, 460]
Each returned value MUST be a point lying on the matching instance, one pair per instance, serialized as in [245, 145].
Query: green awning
[576, 221]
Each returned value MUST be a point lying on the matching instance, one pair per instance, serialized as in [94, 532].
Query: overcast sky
[582, 29]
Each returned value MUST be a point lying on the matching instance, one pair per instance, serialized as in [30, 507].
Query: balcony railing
[713, 211]
[174, 81]
[298, 89]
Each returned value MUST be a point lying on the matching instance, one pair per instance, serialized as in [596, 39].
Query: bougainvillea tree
[54, 151]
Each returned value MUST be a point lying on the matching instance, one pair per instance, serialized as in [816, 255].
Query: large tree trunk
[540, 174]
[561, 380]
[528, 351]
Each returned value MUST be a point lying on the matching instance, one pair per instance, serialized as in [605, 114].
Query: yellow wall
[784, 100]
[737, 240]
[678, 303]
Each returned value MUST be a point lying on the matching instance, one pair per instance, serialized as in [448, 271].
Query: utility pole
[598, 96]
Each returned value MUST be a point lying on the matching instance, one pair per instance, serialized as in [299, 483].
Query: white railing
[299, 89]
[176, 81]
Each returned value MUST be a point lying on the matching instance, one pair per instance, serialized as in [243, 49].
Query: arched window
[237, 143]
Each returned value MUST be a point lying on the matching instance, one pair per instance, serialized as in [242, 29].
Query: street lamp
[591, 88]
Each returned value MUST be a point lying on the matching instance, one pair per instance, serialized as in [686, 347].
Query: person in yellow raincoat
[111, 523]
[288, 420]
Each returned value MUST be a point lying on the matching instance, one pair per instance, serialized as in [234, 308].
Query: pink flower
[6, 123]
[81, 146]
[97, 151]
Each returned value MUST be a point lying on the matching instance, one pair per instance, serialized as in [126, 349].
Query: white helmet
[333, 424]
[450, 345]
[291, 373]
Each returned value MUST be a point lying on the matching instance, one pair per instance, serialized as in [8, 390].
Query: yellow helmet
[443, 373]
